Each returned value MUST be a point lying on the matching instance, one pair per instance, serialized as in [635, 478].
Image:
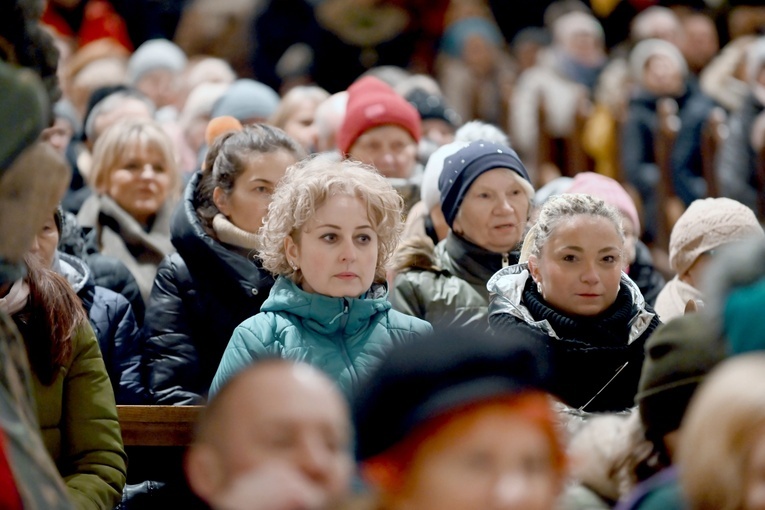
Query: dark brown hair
[49, 320]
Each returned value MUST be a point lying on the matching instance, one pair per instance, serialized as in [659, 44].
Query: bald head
[276, 412]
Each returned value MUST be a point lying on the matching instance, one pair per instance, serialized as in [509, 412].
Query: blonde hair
[112, 147]
[307, 186]
[561, 208]
[723, 420]
[292, 101]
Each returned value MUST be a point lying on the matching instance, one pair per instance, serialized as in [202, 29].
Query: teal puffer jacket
[344, 337]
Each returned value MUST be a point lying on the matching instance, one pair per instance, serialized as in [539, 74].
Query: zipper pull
[505, 260]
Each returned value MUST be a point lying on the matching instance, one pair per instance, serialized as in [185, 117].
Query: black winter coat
[199, 296]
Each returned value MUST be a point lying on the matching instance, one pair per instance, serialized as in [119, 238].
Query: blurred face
[45, 243]
[247, 204]
[694, 276]
[59, 135]
[494, 211]
[662, 76]
[700, 43]
[500, 461]
[479, 54]
[754, 476]
[289, 416]
[159, 85]
[300, 125]
[585, 48]
[336, 250]
[438, 130]
[630, 240]
[390, 149]
[140, 183]
[580, 266]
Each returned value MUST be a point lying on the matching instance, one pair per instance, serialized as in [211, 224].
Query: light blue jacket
[344, 337]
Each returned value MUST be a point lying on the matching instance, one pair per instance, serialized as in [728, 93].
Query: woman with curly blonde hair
[330, 231]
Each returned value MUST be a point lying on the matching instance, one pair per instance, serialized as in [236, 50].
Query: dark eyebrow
[327, 225]
[580, 249]
[261, 180]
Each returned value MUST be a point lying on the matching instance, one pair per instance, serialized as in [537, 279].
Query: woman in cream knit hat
[704, 227]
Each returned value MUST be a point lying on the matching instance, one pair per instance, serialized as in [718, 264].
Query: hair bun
[219, 126]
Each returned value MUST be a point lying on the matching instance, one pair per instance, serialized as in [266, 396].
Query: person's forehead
[288, 392]
[385, 132]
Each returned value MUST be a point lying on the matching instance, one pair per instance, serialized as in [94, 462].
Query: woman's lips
[346, 276]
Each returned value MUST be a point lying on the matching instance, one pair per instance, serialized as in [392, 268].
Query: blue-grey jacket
[115, 326]
[344, 337]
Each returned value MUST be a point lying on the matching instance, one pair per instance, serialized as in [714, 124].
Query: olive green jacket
[80, 428]
[446, 285]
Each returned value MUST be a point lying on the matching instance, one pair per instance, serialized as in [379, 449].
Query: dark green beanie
[677, 357]
[23, 110]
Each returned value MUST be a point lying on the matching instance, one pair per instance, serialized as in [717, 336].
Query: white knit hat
[708, 224]
[651, 47]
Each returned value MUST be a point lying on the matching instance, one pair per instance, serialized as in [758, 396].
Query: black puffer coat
[199, 296]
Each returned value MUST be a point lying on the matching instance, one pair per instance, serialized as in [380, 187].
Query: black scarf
[610, 328]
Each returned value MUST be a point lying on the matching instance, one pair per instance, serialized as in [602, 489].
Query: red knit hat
[372, 103]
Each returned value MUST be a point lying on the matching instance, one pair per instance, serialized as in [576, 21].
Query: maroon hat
[372, 103]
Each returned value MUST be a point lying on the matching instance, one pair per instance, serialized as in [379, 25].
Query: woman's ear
[534, 267]
[220, 199]
[292, 250]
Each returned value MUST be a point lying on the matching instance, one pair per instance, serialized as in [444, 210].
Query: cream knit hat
[708, 224]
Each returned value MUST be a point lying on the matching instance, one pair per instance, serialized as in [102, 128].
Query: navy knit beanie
[466, 165]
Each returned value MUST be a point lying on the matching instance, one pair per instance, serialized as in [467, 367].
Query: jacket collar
[507, 285]
[202, 251]
[324, 314]
[469, 261]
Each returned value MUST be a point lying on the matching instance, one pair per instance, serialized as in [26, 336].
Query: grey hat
[155, 54]
[247, 99]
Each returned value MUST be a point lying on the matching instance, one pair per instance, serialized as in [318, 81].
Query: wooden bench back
[158, 425]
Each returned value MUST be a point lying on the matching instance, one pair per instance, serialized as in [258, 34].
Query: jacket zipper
[505, 260]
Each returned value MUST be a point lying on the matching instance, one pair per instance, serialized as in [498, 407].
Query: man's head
[275, 416]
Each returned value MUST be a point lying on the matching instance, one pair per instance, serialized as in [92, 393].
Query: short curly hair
[307, 186]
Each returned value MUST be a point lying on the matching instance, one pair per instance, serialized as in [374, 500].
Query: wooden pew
[714, 134]
[664, 141]
[158, 425]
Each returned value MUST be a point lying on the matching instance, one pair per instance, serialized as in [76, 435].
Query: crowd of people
[381, 290]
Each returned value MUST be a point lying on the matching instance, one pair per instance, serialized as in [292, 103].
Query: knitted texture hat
[245, 100]
[677, 357]
[708, 224]
[372, 103]
[155, 54]
[651, 47]
[25, 110]
[467, 164]
[422, 380]
[608, 190]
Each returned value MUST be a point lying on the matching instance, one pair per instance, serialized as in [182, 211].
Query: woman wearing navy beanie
[485, 197]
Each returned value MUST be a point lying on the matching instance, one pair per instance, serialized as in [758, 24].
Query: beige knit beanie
[708, 224]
